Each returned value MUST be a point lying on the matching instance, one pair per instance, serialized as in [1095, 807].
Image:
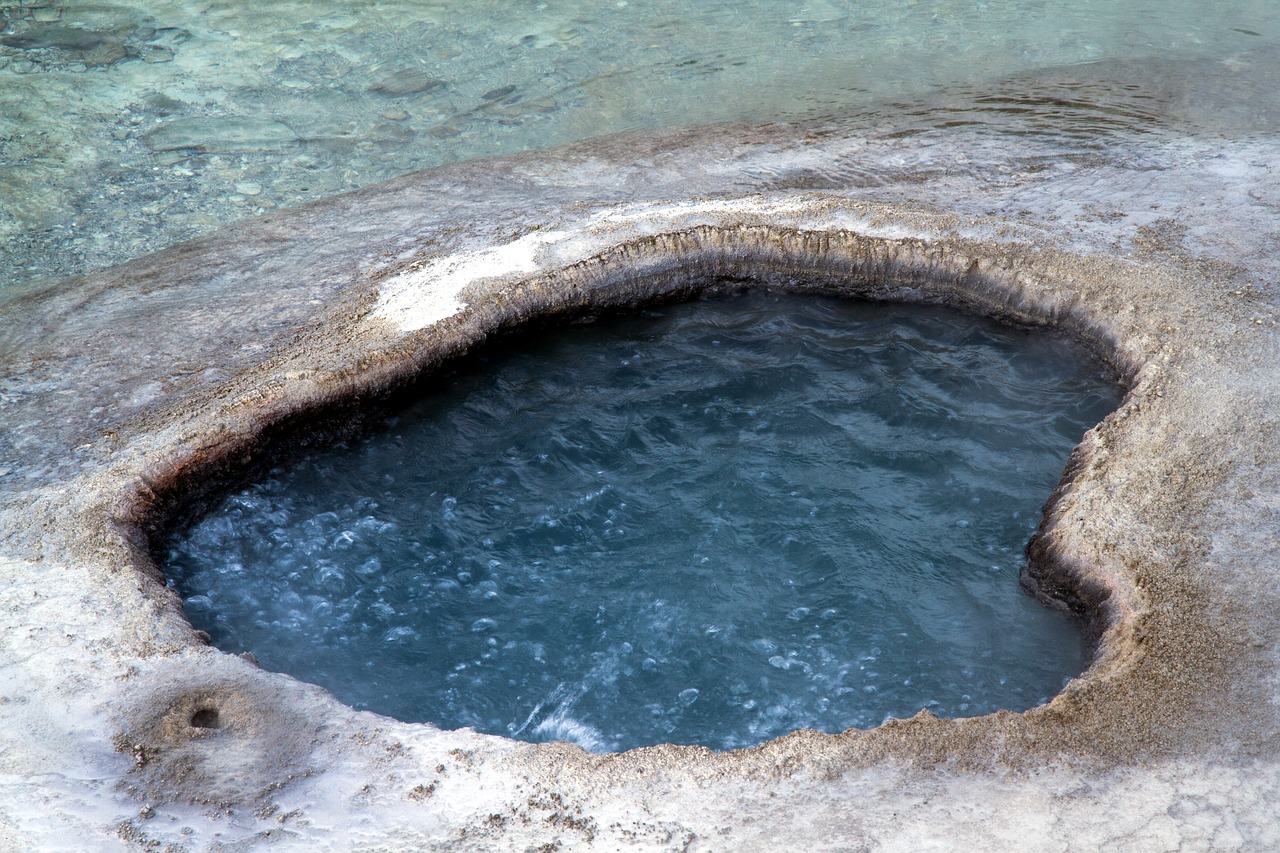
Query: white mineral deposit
[1128, 203]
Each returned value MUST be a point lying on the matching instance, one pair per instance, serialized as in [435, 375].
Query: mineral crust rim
[144, 390]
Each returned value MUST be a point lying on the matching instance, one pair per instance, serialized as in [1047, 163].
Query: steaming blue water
[714, 523]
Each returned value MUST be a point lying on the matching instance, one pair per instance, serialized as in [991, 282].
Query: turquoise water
[713, 523]
[128, 126]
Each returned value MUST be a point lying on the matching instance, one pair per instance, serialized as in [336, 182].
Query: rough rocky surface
[129, 396]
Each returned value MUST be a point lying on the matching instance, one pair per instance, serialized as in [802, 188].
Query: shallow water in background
[128, 126]
[714, 523]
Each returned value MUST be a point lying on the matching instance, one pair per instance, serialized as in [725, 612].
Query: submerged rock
[62, 38]
[411, 81]
[75, 48]
[221, 135]
[70, 45]
[500, 92]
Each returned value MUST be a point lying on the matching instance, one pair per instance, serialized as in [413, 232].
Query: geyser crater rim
[302, 409]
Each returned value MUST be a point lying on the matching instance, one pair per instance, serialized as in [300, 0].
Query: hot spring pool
[713, 522]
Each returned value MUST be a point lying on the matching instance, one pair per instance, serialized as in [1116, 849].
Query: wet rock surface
[133, 394]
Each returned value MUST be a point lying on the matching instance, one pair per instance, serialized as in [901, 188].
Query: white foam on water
[560, 726]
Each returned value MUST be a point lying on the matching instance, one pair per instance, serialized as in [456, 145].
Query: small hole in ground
[205, 718]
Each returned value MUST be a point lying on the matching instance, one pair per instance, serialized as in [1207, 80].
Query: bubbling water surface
[709, 523]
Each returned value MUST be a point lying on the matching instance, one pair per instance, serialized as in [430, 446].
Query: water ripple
[711, 524]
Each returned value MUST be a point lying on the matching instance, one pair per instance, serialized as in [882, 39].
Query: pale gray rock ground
[127, 389]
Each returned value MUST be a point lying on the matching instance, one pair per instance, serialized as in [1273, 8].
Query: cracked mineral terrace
[131, 395]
